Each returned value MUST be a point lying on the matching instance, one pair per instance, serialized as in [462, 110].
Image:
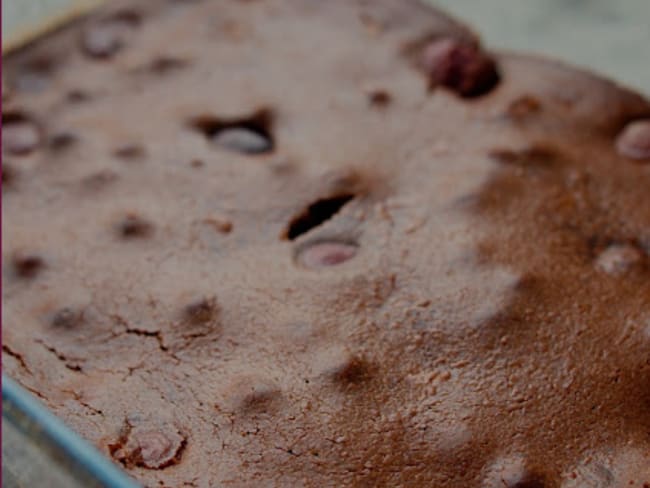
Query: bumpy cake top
[298, 242]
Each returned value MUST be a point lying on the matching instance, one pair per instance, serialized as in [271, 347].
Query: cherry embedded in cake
[634, 141]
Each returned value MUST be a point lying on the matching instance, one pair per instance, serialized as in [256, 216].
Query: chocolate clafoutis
[327, 243]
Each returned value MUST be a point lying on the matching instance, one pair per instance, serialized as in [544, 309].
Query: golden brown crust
[429, 290]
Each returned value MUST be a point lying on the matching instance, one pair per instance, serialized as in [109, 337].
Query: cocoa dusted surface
[309, 243]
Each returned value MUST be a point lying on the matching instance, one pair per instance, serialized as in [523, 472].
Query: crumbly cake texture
[327, 243]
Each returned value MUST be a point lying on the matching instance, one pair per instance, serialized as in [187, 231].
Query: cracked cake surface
[309, 243]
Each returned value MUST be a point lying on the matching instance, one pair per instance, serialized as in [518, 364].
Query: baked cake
[327, 243]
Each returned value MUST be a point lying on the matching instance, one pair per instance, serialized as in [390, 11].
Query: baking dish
[39, 450]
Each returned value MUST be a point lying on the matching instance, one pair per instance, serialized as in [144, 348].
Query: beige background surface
[609, 36]
[23, 19]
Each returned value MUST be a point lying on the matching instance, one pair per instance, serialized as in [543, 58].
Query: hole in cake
[134, 227]
[523, 107]
[67, 318]
[248, 135]
[353, 370]
[316, 214]
[107, 37]
[164, 65]
[222, 225]
[379, 98]
[259, 396]
[201, 311]
[27, 265]
[77, 96]
[99, 180]
[35, 75]
[340, 366]
[62, 141]
[7, 90]
[529, 483]
[130, 17]
[8, 175]
[20, 134]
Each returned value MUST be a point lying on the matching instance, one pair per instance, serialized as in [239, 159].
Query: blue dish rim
[32, 418]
